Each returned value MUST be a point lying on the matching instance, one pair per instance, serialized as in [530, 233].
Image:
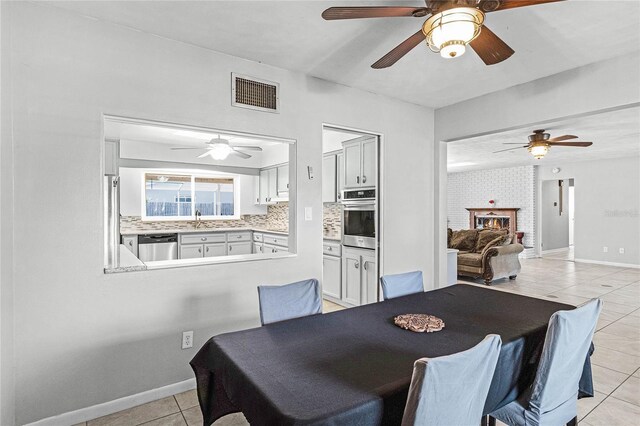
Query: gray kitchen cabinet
[339, 175]
[243, 247]
[332, 276]
[131, 243]
[256, 189]
[215, 249]
[351, 291]
[369, 277]
[111, 158]
[359, 276]
[283, 181]
[191, 251]
[352, 162]
[360, 159]
[257, 248]
[329, 179]
[270, 248]
[268, 186]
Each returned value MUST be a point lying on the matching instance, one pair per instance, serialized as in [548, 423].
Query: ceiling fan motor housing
[539, 136]
[489, 5]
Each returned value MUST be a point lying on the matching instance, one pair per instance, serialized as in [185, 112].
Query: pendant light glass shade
[450, 31]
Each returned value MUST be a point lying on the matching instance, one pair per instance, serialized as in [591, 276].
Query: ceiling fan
[540, 142]
[219, 149]
[451, 26]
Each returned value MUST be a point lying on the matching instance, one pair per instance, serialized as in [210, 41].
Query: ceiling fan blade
[399, 51]
[247, 148]
[562, 138]
[513, 143]
[178, 148]
[240, 154]
[490, 47]
[511, 149]
[204, 155]
[512, 4]
[577, 144]
[373, 12]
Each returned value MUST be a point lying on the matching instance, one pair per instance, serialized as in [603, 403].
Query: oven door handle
[359, 207]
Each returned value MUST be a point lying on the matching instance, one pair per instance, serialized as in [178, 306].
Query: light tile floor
[616, 361]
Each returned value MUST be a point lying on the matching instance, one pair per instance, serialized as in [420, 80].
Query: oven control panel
[360, 194]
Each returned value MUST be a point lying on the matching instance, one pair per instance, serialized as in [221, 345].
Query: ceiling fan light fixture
[219, 149]
[539, 151]
[449, 32]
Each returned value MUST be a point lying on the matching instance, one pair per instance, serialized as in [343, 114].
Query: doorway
[557, 210]
[351, 217]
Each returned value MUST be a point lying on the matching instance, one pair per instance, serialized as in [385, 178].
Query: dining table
[354, 367]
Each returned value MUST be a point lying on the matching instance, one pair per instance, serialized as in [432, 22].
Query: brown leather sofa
[486, 254]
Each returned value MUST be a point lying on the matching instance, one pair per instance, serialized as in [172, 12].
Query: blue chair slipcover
[283, 302]
[452, 389]
[401, 284]
[552, 398]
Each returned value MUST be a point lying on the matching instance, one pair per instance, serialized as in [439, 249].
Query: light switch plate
[308, 213]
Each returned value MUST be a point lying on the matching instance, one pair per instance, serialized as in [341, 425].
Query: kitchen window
[174, 196]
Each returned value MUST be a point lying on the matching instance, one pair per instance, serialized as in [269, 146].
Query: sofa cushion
[489, 236]
[470, 259]
[464, 239]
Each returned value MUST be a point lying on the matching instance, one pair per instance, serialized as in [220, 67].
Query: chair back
[452, 389]
[299, 299]
[565, 350]
[401, 284]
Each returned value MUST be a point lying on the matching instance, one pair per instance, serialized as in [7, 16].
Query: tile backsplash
[332, 218]
[277, 218]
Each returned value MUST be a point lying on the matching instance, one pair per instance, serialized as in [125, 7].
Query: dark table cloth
[354, 367]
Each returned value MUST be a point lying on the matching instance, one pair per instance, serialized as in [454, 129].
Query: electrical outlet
[187, 339]
[621, 250]
[605, 249]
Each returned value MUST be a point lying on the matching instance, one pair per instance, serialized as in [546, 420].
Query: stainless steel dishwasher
[152, 247]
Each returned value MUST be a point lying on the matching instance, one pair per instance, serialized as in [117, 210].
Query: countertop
[128, 262]
[330, 236]
[126, 231]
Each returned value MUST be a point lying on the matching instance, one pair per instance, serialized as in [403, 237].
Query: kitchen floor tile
[586, 405]
[623, 330]
[140, 414]
[187, 399]
[606, 380]
[629, 391]
[615, 360]
[170, 420]
[614, 412]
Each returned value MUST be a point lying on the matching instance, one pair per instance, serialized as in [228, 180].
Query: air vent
[254, 93]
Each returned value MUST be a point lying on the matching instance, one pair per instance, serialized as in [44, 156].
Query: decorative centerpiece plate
[419, 323]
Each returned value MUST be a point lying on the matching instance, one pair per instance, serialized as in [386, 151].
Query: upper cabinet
[329, 179]
[111, 155]
[360, 159]
[273, 185]
[339, 175]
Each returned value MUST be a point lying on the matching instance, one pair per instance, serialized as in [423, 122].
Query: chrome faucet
[198, 220]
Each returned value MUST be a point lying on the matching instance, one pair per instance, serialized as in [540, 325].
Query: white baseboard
[600, 262]
[106, 408]
[557, 250]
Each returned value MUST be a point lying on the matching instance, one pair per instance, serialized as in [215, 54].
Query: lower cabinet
[332, 276]
[257, 247]
[236, 248]
[359, 276]
[215, 249]
[191, 251]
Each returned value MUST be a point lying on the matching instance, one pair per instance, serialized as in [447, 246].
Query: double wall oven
[359, 221]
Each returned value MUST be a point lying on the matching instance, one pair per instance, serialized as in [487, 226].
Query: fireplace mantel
[494, 218]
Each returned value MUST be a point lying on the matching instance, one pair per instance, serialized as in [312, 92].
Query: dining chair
[452, 389]
[401, 284]
[553, 396]
[283, 302]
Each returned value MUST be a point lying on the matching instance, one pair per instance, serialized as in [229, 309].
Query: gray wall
[82, 337]
[607, 208]
[554, 227]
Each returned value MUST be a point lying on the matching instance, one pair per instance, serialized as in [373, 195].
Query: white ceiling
[548, 39]
[614, 134]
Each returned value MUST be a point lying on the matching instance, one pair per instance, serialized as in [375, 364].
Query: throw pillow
[493, 243]
[464, 239]
[486, 236]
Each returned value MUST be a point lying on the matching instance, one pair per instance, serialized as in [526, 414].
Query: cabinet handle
[329, 248]
[357, 265]
[266, 199]
[239, 236]
[203, 239]
[287, 186]
[357, 179]
[199, 250]
[339, 196]
[364, 179]
[230, 248]
[130, 243]
[207, 249]
[364, 265]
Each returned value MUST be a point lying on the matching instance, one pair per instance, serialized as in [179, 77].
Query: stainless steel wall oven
[359, 219]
